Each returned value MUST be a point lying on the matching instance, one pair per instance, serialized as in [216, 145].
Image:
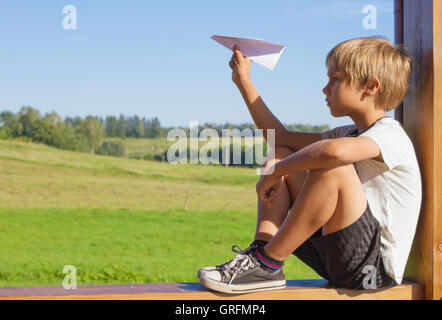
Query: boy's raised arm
[262, 116]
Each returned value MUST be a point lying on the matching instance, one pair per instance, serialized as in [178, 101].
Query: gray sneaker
[243, 274]
[236, 249]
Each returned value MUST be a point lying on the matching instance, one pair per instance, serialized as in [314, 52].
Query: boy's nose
[325, 90]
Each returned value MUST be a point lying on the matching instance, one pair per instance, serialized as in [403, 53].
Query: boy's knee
[280, 154]
[283, 152]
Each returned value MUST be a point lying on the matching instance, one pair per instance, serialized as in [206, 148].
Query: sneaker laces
[242, 262]
[237, 249]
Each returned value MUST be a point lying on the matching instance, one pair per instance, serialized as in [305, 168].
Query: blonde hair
[363, 59]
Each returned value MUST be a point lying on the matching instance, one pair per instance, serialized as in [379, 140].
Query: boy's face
[343, 99]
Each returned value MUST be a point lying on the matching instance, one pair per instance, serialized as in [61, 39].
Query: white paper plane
[262, 52]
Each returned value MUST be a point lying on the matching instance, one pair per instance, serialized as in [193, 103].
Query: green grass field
[119, 220]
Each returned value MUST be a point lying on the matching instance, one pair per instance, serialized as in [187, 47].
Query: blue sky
[156, 58]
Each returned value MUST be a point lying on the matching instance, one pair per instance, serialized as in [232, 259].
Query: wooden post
[423, 123]
[399, 39]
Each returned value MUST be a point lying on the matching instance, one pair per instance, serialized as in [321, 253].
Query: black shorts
[349, 258]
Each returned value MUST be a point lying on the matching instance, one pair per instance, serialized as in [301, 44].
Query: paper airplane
[262, 52]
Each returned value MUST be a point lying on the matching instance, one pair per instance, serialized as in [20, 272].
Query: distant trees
[8, 125]
[86, 135]
[89, 134]
[71, 134]
[111, 126]
[219, 127]
[94, 132]
[133, 127]
[307, 128]
[29, 123]
[110, 148]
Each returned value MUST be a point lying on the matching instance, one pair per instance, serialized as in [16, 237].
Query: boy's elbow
[335, 151]
[282, 136]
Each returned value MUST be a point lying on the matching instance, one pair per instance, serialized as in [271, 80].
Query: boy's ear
[372, 86]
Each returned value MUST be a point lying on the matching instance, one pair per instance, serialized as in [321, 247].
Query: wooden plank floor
[295, 290]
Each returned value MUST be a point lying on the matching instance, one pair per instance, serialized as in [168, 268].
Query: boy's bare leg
[270, 219]
[330, 197]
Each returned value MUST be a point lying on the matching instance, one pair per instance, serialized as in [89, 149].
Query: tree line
[88, 134]
[77, 134]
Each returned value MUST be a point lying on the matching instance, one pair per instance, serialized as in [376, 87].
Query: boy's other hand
[240, 66]
[266, 188]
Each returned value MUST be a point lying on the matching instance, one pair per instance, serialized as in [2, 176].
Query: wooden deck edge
[194, 291]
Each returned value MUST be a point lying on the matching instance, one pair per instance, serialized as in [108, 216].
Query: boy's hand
[266, 188]
[240, 66]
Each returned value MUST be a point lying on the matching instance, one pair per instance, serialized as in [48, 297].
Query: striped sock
[267, 262]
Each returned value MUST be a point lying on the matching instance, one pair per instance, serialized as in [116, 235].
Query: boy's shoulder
[386, 125]
[386, 128]
[339, 132]
[394, 143]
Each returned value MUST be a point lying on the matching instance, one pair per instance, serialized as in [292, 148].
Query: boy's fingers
[263, 198]
[233, 60]
[237, 53]
[267, 198]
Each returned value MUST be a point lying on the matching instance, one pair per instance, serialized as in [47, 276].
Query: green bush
[23, 138]
[155, 157]
[110, 148]
[4, 134]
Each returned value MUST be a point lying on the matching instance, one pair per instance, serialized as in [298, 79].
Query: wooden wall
[423, 122]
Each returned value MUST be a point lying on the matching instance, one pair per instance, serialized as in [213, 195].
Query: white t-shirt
[393, 189]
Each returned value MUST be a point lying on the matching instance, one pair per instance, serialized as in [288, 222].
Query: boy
[352, 193]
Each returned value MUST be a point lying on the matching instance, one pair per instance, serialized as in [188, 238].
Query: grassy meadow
[119, 220]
